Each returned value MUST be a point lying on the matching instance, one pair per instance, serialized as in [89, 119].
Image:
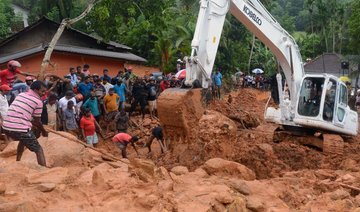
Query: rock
[350, 165]
[59, 151]
[46, 187]
[97, 178]
[162, 174]
[148, 201]
[357, 201]
[146, 122]
[18, 206]
[339, 194]
[221, 167]
[10, 149]
[267, 148]
[348, 178]
[147, 165]
[53, 175]
[144, 169]
[166, 185]
[356, 210]
[255, 204]
[217, 207]
[239, 205]
[2, 188]
[224, 197]
[241, 187]
[180, 170]
[201, 173]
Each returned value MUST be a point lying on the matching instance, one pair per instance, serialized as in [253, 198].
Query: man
[4, 105]
[107, 85]
[8, 76]
[85, 87]
[23, 113]
[140, 94]
[86, 70]
[69, 119]
[73, 76]
[63, 102]
[218, 82]
[122, 121]
[93, 104]
[106, 76]
[49, 113]
[29, 80]
[157, 133]
[120, 90]
[111, 105]
[121, 140]
[152, 97]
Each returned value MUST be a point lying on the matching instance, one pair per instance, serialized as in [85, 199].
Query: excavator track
[327, 143]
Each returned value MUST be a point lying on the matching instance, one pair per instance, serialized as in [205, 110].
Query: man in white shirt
[107, 85]
[4, 105]
[69, 96]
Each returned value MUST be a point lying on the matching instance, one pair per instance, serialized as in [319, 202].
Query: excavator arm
[254, 16]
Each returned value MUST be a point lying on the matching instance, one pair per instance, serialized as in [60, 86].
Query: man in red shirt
[121, 140]
[8, 76]
[88, 126]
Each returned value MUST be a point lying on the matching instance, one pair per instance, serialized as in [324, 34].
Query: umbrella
[345, 79]
[239, 73]
[257, 71]
[181, 74]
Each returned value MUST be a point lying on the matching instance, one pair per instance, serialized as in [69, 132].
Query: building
[329, 63]
[74, 48]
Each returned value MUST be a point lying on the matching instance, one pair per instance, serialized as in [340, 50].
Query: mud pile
[224, 168]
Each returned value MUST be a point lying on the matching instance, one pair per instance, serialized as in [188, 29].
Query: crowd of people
[75, 103]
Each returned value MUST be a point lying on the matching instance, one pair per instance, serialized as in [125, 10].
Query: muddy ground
[230, 164]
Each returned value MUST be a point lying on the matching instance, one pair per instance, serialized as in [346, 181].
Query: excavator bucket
[179, 111]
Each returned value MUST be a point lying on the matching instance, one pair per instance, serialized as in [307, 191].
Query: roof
[76, 50]
[325, 63]
[43, 19]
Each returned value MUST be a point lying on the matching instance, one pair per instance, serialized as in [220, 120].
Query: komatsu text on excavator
[307, 102]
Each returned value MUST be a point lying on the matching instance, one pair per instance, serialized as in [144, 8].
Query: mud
[224, 167]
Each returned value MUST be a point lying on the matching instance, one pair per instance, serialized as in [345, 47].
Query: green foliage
[354, 27]
[8, 20]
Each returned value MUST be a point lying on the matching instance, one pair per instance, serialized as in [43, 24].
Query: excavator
[307, 103]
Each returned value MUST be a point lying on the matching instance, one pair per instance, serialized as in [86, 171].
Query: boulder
[350, 165]
[144, 169]
[224, 198]
[10, 149]
[59, 151]
[53, 175]
[357, 201]
[239, 205]
[46, 187]
[18, 206]
[240, 186]
[180, 170]
[339, 194]
[221, 167]
[255, 204]
[214, 125]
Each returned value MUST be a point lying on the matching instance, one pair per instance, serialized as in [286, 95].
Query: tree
[64, 23]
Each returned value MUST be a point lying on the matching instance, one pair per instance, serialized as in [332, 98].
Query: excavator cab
[323, 104]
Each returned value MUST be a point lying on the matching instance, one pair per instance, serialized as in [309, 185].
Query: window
[310, 96]
[343, 95]
[329, 103]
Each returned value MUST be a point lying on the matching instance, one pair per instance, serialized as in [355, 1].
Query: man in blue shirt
[85, 87]
[106, 76]
[218, 82]
[120, 90]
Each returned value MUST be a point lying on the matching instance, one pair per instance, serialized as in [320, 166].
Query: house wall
[23, 12]
[63, 61]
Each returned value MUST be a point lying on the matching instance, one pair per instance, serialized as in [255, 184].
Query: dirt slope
[228, 167]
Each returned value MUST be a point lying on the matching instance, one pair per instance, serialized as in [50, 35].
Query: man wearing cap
[4, 105]
[121, 140]
[29, 80]
[8, 75]
[23, 113]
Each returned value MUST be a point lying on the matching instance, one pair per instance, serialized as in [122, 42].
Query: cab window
[310, 96]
